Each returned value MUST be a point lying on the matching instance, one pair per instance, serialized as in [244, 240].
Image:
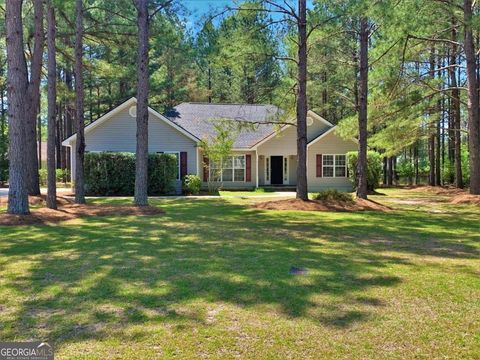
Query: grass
[211, 278]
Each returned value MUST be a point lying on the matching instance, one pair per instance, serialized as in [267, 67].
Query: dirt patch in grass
[318, 205]
[466, 199]
[69, 211]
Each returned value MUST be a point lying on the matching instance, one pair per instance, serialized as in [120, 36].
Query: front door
[276, 170]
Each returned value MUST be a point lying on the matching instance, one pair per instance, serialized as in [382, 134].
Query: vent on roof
[309, 121]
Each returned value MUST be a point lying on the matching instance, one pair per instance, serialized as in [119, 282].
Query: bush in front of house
[191, 184]
[333, 195]
[60, 175]
[108, 173]
[374, 168]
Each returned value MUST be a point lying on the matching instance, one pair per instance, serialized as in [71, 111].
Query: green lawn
[210, 278]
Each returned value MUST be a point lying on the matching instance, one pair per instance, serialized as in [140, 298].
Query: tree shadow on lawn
[91, 279]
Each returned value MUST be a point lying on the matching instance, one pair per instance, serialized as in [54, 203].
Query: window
[177, 155]
[239, 168]
[233, 169]
[334, 166]
[340, 166]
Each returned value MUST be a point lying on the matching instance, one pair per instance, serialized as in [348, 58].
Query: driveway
[4, 191]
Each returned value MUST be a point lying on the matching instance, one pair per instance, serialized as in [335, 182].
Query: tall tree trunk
[473, 102]
[209, 83]
[58, 137]
[455, 112]
[415, 163]
[390, 171]
[33, 102]
[438, 154]
[141, 163]
[431, 126]
[431, 159]
[39, 137]
[17, 92]
[80, 144]
[385, 169]
[69, 109]
[52, 99]
[362, 111]
[302, 186]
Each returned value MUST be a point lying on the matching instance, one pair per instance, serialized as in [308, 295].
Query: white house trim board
[130, 102]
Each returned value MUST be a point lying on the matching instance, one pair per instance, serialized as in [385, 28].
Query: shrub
[374, 168]
[108, 173]
[3, 170]
[60, 175]
[333, 195]
[191, 184]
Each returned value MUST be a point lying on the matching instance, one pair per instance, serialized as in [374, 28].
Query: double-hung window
[232, 169]
[334, 166]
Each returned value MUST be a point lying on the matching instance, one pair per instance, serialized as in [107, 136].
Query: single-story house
[264, 156]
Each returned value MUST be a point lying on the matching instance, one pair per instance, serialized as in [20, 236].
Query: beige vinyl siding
[285, 142]
[235, 184]
[118, 134]
[329, 144]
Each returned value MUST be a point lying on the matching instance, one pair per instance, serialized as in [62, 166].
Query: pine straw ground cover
[210, 278]
[67, 210]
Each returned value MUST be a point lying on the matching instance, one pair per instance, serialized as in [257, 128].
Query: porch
[276, 171]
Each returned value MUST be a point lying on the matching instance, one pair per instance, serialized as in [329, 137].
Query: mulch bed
[67, 210]
[466, 199]
[439, 190]
[457, 196]
[317, 205]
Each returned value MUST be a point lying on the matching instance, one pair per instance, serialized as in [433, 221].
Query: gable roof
[199, 118]
[325, 133]
[123, 106]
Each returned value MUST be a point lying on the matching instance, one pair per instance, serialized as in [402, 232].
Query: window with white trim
[334, 165]
[232, 169]
[177, 155]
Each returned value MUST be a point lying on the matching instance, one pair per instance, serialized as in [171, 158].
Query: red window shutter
[205, 168]
[248, 167]
[319, 165]
[183, 164]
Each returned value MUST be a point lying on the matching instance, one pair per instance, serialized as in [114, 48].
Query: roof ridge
[240, 104]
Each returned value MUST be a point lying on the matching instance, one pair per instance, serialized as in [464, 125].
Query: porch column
[256, 166]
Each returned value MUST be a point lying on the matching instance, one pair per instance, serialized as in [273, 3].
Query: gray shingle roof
[199, 119]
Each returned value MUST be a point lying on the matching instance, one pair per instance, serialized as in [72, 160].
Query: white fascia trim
[319, 118]
[122, 107]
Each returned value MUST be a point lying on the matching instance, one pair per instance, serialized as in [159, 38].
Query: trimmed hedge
[108, 173]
